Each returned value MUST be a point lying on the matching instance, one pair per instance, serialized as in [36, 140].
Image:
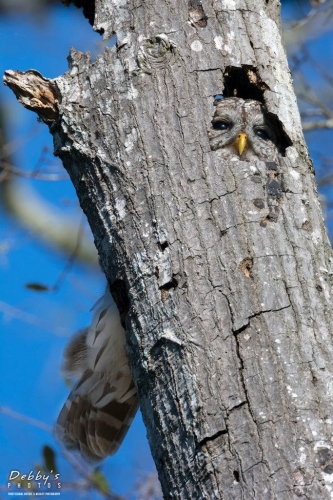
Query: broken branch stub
[35, 93]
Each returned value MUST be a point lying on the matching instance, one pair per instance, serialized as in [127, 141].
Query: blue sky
[35, 326]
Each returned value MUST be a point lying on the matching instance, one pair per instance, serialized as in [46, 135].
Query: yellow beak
[241, 142]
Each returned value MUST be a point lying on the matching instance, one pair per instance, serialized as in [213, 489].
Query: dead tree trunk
[221, 269]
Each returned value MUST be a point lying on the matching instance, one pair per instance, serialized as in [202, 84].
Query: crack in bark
[213, 437]
[242, 379]
[236, 407]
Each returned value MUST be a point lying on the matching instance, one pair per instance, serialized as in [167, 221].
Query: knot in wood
[157, 53]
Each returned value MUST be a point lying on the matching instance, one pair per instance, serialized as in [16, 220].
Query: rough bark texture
[227, 307]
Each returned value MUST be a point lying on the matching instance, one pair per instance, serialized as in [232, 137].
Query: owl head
[243, 127]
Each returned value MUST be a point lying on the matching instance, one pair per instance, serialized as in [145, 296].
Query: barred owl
[245, 127]
[100, 408]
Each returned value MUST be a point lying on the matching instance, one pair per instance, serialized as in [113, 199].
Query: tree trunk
[222, 278]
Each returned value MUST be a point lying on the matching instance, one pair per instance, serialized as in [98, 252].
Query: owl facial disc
[243, 127]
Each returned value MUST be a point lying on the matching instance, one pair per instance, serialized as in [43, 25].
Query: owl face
[244, 128]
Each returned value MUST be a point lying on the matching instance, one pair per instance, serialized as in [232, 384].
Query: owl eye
[260, 132]
[222, 125]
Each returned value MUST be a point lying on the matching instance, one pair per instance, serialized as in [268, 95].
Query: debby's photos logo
[33, 481]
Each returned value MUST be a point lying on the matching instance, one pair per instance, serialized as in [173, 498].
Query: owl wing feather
[100, 408]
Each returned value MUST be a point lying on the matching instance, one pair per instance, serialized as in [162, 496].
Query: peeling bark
[222, 272]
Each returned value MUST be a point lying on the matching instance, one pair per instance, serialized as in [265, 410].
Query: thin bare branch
[317, 125]
[307, 94]
[14, 312]
[27, 420]
[6, 168]
[72, 258]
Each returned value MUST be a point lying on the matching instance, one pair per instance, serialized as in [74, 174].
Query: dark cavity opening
[171, 284]
[163, 245]
[283, 138]
[120, 296]
[236, 476]
[243, 82]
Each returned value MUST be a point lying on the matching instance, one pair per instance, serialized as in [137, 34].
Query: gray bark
[227, 308]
